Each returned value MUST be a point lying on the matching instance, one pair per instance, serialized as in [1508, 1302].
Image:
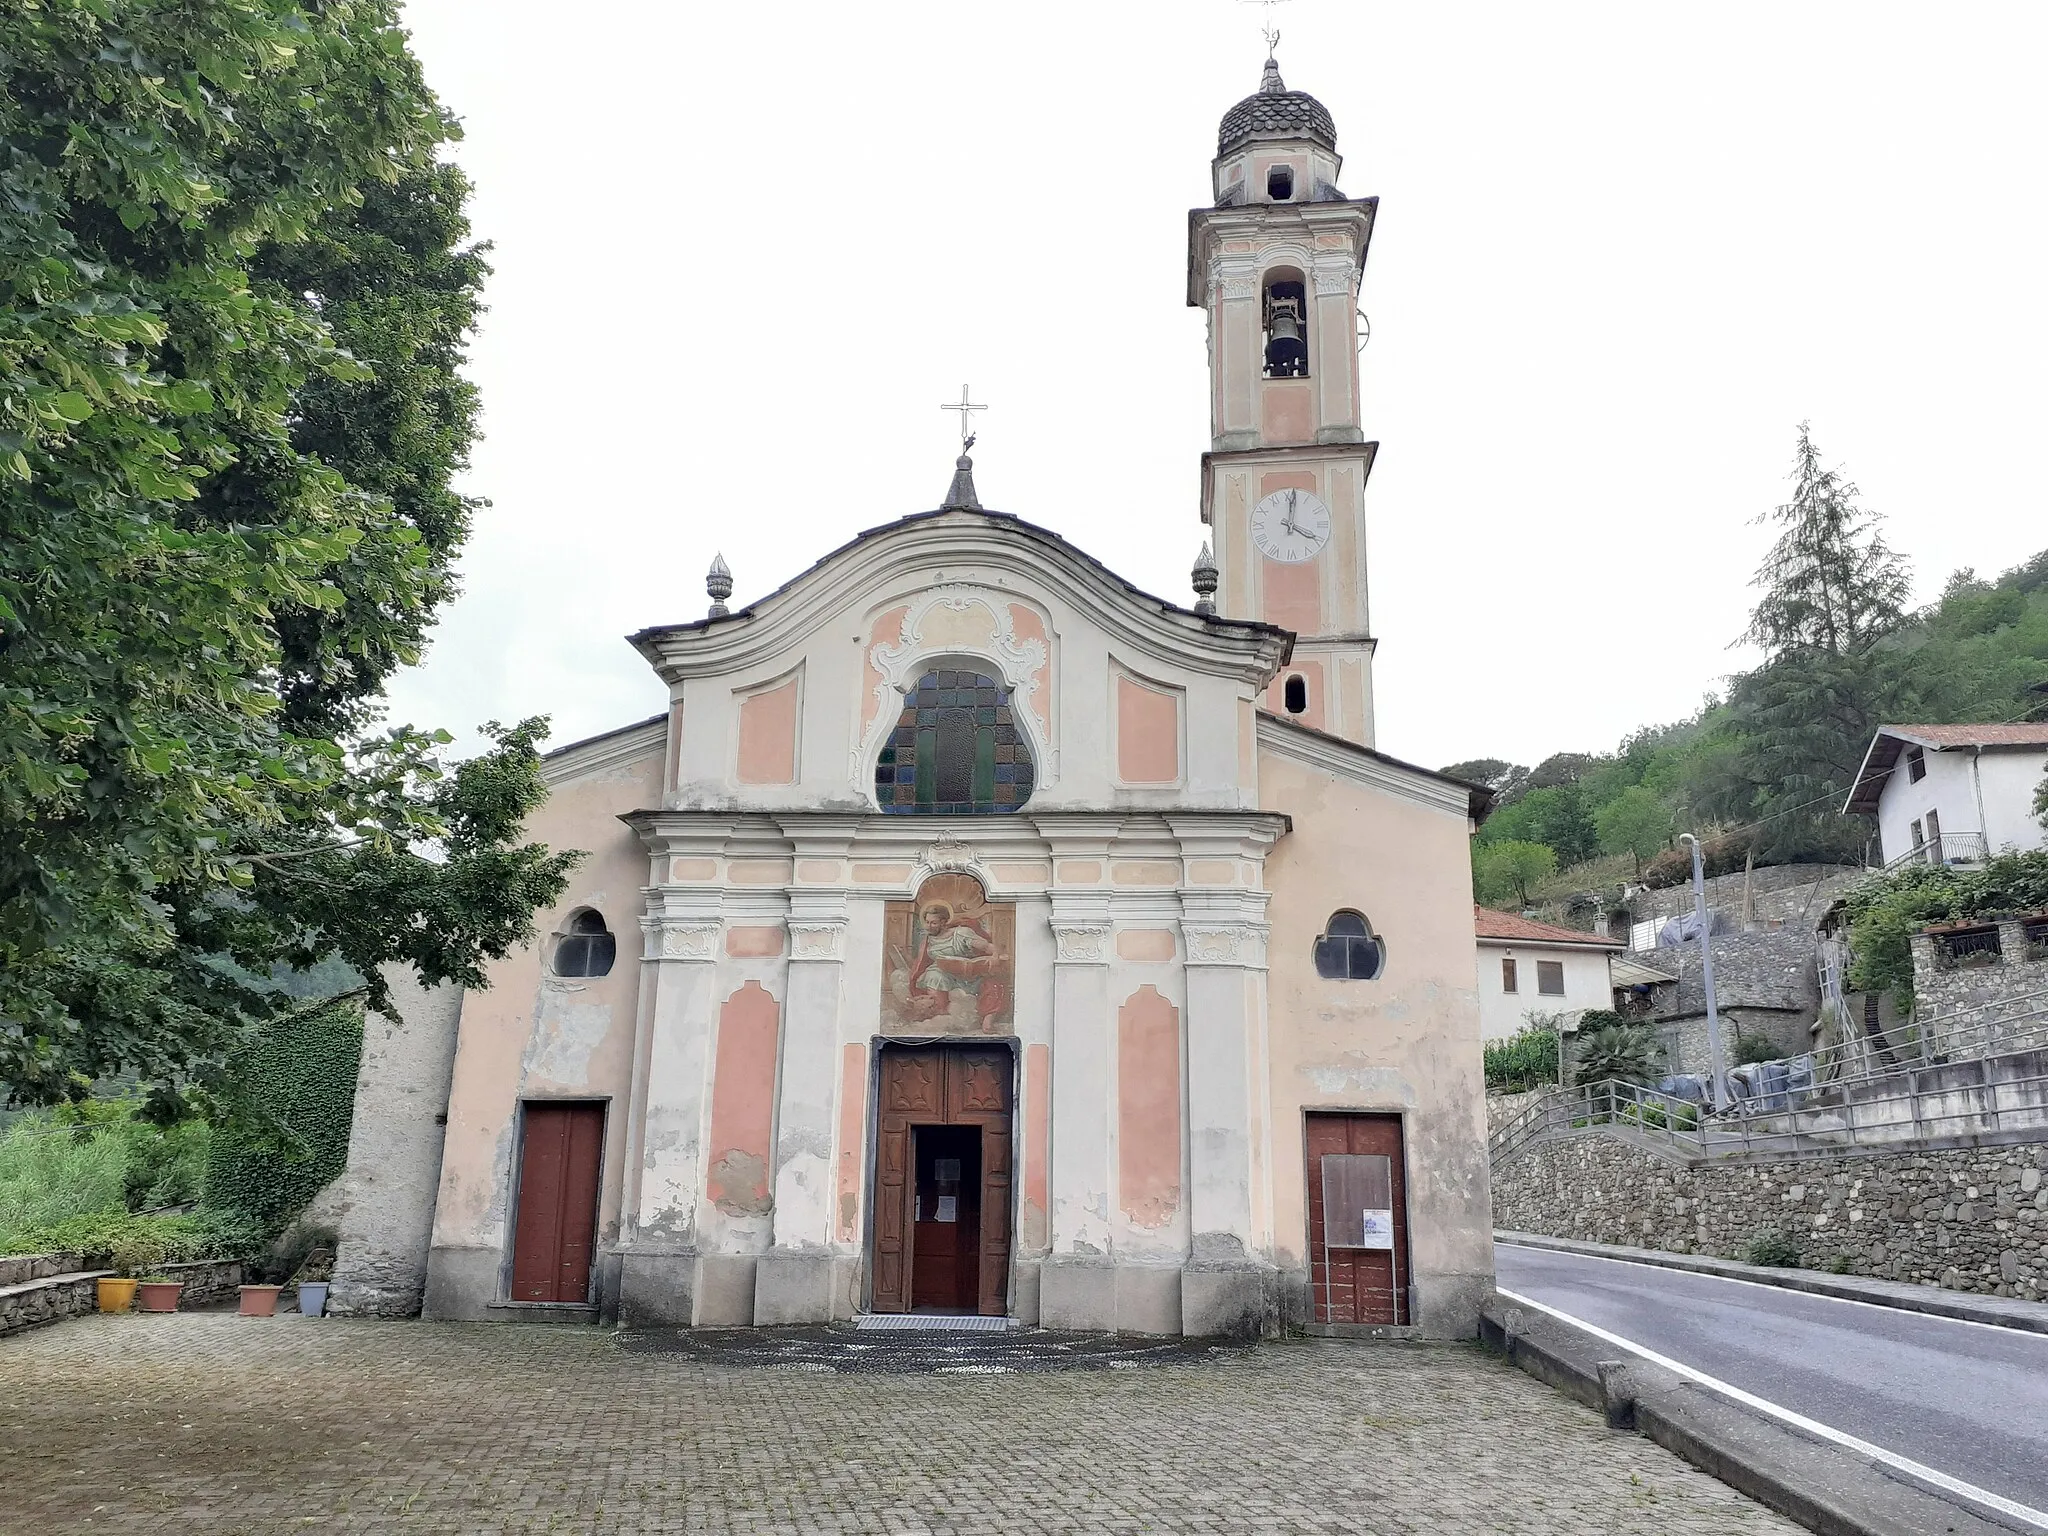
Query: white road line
[1782, 1290]
[1941, 1480]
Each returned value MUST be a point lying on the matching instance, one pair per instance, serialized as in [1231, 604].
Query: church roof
[1275, 112]
[1266, 647]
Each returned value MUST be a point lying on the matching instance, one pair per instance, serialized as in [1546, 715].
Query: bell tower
[1275, 266]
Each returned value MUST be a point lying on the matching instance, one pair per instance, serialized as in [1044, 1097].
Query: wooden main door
[942, 1180]
[1357, 1219]
[559, 1154]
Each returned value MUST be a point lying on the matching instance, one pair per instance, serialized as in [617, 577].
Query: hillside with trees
[1762, 769]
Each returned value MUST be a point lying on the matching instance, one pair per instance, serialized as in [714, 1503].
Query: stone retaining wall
[1973, 1219]
[20, 1268]
[47, 1299]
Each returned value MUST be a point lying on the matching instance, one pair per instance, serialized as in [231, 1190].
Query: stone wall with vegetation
[1973, 1219]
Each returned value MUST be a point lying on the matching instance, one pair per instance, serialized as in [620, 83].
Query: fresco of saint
[950, 961]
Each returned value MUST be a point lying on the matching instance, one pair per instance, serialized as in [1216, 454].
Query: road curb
[1960, 1306]
[1823, 1487]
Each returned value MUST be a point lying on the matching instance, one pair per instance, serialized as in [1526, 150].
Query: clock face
[1291, 526]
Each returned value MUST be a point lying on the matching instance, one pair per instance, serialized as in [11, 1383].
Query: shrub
[1627, 1052]
[288, 1133]
[1774, 1249]
[1751, 1049]
[1522, 1061]
[99, 1235]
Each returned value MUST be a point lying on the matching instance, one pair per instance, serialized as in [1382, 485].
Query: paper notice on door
[1378, 1230]
[949, 1206]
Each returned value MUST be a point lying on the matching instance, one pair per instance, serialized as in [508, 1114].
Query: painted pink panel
[1148, 1107]
[768, 736]
[888, 631]
[753, 941]
[1026, 625]
[853, 1105]
[743, 1102]
[1290, 414]
[1033, 1229]
[1147, 734]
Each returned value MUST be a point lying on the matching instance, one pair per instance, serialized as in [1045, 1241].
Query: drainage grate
[936, 1322]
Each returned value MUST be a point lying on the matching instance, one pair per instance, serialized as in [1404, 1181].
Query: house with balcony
[1952, 794]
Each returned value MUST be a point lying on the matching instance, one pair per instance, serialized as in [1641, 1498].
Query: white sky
[744, 251]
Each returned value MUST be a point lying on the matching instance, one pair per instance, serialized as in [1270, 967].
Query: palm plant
[1628, 1052]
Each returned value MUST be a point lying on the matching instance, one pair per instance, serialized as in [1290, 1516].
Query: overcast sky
[743, 252]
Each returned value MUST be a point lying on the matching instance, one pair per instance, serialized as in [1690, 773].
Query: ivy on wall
[288, 1136]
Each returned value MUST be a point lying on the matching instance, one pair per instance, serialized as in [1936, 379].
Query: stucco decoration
[817, 941]
[959, 621]
[1081, 943]
[1335, 274]
[949, 961]
[949, 856]
[681, 941]
[1229, 944]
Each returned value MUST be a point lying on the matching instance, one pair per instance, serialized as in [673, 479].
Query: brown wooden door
[937, 1087]
[556, 1226]
[1356, 1284]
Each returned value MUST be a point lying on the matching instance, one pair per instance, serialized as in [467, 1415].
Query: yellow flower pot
[116, 1295]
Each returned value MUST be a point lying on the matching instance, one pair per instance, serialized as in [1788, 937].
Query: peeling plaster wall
[1406, 1042]
[531, 1034]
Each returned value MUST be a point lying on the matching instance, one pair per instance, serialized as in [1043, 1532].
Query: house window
[1550, 978]
[1507, 973]
[587, 948]
[1919, 841]
[1934, 837]
[957, 750]
[1347, 949]
[1916, 765]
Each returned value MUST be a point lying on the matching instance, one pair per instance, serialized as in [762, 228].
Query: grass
[93, 1164]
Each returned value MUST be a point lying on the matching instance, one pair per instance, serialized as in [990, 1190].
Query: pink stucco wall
[1033, 1229]
[767, 753]
[1147, 733]
[743, 1102]
[1148, 1107]
[853, 1104]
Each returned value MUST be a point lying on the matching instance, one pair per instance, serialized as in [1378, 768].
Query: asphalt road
[1967, 1400]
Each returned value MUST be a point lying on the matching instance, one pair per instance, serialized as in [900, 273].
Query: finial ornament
[1204, 581]
[718, 582]
[1269, 32]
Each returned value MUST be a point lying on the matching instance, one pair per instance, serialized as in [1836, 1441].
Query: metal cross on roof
[966, 420]
[1269, 32]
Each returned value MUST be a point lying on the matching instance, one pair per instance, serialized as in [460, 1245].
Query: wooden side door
[1357, 1285]
[978, 1092]
[555, 1228]
[912, 1092]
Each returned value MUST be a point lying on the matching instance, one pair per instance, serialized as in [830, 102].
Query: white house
[1529, 967]
[1953, 794]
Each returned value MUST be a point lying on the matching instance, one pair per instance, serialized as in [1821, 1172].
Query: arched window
[1286, 317]
[1348, 950]
[587, 949]
[1295, 694]
[957, 750]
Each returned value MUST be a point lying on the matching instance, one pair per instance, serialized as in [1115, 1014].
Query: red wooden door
[967, 1086]
[556, 1225]
[1356, 1284]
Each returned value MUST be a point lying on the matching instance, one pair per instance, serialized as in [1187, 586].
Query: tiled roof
[1274, 112]
[1505, 927]
[2024, 734]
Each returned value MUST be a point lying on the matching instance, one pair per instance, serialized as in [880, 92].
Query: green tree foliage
[234, 301]
[99, 1158]
[1504, 872]
[1884, 913]
[1636, 822]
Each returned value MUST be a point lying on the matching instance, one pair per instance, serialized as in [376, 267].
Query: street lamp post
[1716, 1062]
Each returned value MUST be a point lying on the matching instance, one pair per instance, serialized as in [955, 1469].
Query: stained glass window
[957, 750]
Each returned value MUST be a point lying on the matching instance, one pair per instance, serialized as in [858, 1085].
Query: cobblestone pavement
[208, 1422]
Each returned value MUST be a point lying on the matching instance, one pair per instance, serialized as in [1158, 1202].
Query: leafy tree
[1503, 873]
[1495, 773]
[221, 528]
[1524, 1060]
[1635, 822]
[1884, 913]
[2041, 802]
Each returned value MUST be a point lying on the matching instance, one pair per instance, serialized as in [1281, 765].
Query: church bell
[1286, 351]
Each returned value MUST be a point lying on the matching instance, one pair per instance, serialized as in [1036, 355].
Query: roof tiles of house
[1891, 740]
[1506, 928]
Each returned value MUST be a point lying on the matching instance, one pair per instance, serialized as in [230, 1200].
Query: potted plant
[136, 1251]
[313, 1278]
[259, 1292]
[158, 1293]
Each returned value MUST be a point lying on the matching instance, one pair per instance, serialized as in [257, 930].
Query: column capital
[1228, 944]
[675, 938]
[811, 939]
[1080, 941]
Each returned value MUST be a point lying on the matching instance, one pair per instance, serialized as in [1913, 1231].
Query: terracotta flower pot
[116, 1295]
[159, 1295]
[259, 1300]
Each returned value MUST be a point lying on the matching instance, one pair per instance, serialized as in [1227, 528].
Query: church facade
[976, 933]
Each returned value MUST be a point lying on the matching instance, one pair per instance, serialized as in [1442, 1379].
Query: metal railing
[1907, 1083]
[1945, 848]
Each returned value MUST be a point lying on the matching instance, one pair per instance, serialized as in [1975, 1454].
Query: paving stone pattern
[1970, 1219]
[211, 1422]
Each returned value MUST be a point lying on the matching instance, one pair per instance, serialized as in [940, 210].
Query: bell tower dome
[1275, 265]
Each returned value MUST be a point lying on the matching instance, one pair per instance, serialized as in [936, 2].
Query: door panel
[1356, 1284]
[555, 1228]
[937, 1087]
